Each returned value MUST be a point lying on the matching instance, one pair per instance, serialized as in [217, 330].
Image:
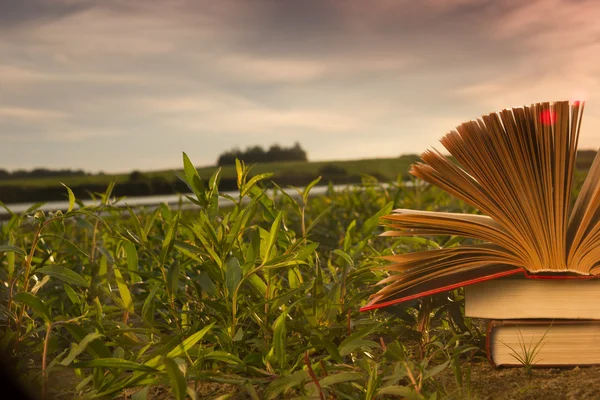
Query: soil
[544, 383]
[486, 383]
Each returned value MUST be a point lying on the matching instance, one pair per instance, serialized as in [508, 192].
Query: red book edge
[372, 305]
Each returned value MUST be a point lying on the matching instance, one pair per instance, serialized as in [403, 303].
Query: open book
[516, 167]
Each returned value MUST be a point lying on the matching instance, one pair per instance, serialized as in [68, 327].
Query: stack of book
[536, 247]
[553, 320]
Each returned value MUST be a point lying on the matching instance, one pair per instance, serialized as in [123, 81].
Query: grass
[527, 353]
[260, 298]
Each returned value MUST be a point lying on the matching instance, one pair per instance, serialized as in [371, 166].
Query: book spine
[488, 340]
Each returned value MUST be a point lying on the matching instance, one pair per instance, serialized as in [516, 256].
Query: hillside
[166, 182]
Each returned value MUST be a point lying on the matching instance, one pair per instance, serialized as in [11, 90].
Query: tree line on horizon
[256, 154]
[40, 173]
[253, 154]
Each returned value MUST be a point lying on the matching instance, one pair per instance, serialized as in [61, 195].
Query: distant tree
[137, 176]
[276, 153]
[41, 173]
[297, 153]
[256, 154]
[228, 158]
[4, 174]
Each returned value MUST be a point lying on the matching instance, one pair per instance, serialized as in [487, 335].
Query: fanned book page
[516, 167]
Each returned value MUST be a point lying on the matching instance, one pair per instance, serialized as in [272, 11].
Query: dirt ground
[548, 383]
[487, 383]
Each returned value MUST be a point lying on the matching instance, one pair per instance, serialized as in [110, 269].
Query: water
[152, 201]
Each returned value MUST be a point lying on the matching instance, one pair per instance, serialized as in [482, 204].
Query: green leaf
[306, 191]
[7, 248]
[103, 271]
[396, 390]
[71, 294]
[223, 356]
[6, 208]
[370, 224]
[258, 283]
[207, 284]
[251, 391]
[95, 348]
[345, 256]
[233, 275]
[280, 385]
[340, 378]
[253, 181]
[169, 240]
[124, 292]
[356, 340]
[188, 343]
[435, 370]
[114, 363]
[272, 238]
[64, 274]
[213, 182]
[395, 352]
[77, 349]
[319, 218]
[294, 277]
[328, 345]
[193, 179]
[10, 264]
[173, 278]
[306, 251]
[417, 240]
[147, 308]
[239, 169]
[176, 378]
[279, 339]
[36, 304]
[348, 237]
[132, 261]
[71, 197]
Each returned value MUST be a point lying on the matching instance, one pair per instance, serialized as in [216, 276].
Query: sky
[118, 85]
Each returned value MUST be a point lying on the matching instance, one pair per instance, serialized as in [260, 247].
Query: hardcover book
[547, 343]
[517, 298]
[516, 167]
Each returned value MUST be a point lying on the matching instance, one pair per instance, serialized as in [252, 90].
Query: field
[384, 168]
[258, 300]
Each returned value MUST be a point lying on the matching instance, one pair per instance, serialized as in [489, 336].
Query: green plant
[527, 353]
[255, 294]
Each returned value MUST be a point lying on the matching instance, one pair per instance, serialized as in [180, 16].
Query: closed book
[522, 296]
[543, 343]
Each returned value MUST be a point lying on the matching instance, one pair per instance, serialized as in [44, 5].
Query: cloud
[30, 114]
[147, 79]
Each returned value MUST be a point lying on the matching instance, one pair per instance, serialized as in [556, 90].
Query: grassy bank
[29, 190]
[166, 182]
[385, 168]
